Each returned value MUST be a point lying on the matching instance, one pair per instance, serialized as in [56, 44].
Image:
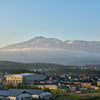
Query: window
[16, 81]
[8, 81]
[8, 98]
[19, 81]
[13, 81]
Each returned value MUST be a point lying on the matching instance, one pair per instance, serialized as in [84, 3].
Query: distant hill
[10, 66]
[6, 66]
[87, 62]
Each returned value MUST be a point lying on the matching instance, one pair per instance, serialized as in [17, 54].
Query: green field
[56, 91]
[60, 93]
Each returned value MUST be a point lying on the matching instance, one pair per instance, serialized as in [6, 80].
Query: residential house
[72, 89]
[48, 85]
[87, 84]
[24, 94]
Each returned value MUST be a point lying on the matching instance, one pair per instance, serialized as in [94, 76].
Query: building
[48, 85]
[24, 94]
[23, 78]
[72, 89]
[87, 84]
[98, 83]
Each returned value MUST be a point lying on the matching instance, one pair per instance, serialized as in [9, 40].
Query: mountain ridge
[42, 42]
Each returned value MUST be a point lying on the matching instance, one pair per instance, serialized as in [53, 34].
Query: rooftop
[24, 74]
[15, 92]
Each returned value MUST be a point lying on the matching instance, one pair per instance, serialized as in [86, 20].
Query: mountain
[52, 43]
[51, 50]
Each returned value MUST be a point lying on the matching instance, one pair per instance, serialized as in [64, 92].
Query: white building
[24, 94]
[23, 78]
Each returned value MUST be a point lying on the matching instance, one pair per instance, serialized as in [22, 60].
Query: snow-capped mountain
[42, 42]
[51, 50]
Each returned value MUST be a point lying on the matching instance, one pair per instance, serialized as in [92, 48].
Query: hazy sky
[21, 20]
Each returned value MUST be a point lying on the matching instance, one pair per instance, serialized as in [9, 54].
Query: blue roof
[2, 89]
[15, 92]
[24, 74]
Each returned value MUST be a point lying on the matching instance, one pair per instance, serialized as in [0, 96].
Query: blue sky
[21, 20]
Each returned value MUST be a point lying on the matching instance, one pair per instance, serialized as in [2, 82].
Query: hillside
[6, 66]
[10, 66]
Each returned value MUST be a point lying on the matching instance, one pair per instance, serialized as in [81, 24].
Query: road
[62, 98]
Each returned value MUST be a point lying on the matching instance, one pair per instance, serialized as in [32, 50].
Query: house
[48, 85]
[42, 81]
[92, 86]
[73, 77]
[98, 82]
[87, 84]
[23, 78]
[62, 76]
[72, 88]
[2, 97]
[24, 94]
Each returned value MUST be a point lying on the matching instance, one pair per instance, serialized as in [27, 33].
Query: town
[49, 82]
[49, 50]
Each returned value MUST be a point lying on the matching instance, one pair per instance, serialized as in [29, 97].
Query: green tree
[9, 86]
[45, 88]
[24, 86]
[18, 86]
[96, 84]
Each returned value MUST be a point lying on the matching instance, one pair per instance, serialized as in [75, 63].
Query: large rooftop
[15, 92]
[24, 74]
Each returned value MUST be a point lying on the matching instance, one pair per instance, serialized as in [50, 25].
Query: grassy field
[90, 89]
[57, 91]
[88, 94]
[60, 93]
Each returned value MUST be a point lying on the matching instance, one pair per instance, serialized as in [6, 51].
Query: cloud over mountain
[51, 50]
